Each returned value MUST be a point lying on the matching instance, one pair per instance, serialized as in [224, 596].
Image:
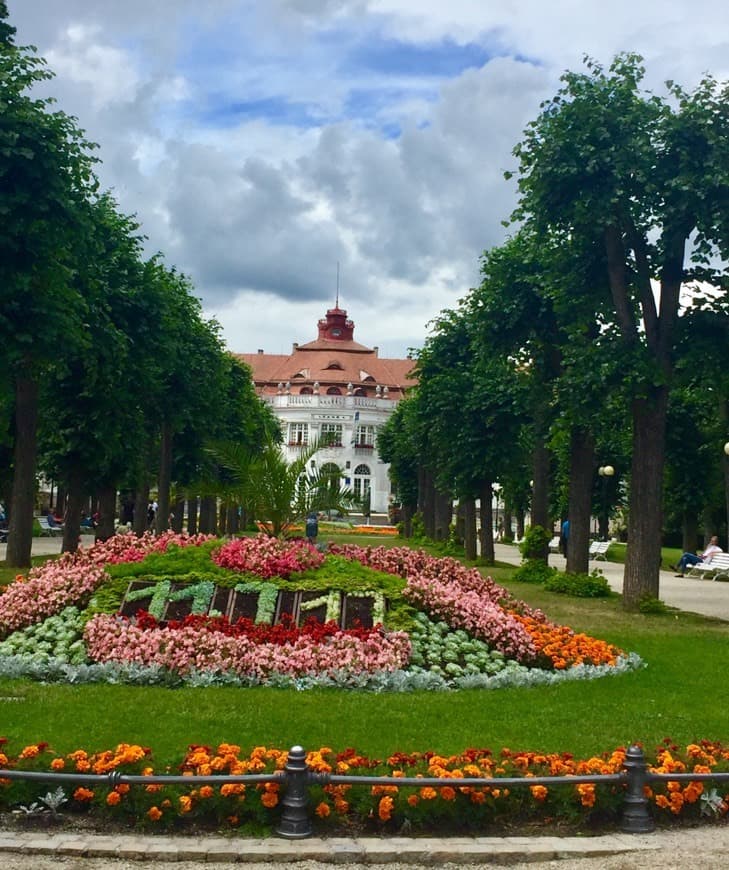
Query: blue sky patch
[444, 59]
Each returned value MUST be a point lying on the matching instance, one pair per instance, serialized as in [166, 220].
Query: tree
[45, 178]
[276, 492]
[647, 178]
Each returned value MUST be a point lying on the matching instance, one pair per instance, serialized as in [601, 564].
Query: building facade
[337, 391]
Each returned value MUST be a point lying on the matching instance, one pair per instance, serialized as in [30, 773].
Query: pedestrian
[564, 537]
[312, 528]
[688, 559]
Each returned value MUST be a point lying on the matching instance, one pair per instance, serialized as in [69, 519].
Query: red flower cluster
[267, 556]
[285, 632]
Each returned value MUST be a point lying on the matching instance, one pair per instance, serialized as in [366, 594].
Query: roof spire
[336, 305]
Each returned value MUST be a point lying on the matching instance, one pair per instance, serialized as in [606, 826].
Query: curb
[335, 850]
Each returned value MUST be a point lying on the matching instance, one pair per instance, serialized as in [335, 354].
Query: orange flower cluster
[378, 531]
[565, 648]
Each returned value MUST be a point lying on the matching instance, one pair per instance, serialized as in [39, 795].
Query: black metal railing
[297, 777]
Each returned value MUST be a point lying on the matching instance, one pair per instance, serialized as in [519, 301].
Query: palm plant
[279, 493]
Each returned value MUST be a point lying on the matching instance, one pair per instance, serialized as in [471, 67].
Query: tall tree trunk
[643, 557]
[520, 524]
[507, 537]
[582, 463]
[192, 506]
[20, 528]
[469, 529]
[165, 479]
[689, 532]
[107, 513]
[407, 520]
[426, 497]
[60, 500]
[231, 520]
[540, 494]
[141, 504]
[223, 519]
[208, 511]
[488, 555]
[75, 502]
[442, 514]
[178, 515]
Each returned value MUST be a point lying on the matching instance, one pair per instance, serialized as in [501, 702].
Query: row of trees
[578, 344]
[110, 377]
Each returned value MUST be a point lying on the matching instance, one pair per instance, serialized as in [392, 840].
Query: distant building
[336, 390]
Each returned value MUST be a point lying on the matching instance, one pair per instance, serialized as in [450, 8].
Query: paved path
[707, 597]
[706, 848]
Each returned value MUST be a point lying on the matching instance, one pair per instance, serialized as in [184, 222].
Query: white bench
[718, 566]
[598, 550]
[47, 529]
[554, 544]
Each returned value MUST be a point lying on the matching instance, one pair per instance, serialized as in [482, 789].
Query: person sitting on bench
[688, 559]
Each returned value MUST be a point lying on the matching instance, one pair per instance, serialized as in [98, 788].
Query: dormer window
[334, 364]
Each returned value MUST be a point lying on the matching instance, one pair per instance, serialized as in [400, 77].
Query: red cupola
[335, 326]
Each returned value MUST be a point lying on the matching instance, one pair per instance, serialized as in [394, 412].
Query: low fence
[296, 778]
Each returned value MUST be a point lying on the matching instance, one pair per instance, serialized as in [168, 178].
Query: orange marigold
[154, 814]
[269, 799]
[323, 810]
[58, 764]
[83, 794]
[113, 799]
[385, 807]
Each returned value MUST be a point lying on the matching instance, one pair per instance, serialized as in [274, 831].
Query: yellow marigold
[83, 794]
[384, 809]
[206, 791]
[113, 798]
[231, 788]
[167, 803]
[428, 793]
[154, 814]
[56, 764]
[185, 803]
[3, 760]
[82, 766]
[153, 788]
[269, 799]
[323, 810]
[148, 771]
[228, 749]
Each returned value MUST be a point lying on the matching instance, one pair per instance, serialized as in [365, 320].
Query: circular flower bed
[174, 608]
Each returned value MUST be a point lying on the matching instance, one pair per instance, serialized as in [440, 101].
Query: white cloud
[262, 143]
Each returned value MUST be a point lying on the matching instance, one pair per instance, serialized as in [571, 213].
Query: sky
[277, 151]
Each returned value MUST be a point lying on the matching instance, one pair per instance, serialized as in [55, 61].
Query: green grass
[683, 693]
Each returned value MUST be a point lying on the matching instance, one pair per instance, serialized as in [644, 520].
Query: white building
[336, 390]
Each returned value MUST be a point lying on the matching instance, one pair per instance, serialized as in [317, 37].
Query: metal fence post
[636, 818]
[295, 821]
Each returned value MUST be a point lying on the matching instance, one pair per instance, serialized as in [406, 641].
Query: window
[331, 433]
[334, 391]
[298, 434]
[361, 480]
[364, 436]
[306, 391]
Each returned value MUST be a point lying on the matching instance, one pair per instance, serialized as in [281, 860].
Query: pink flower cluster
[71, 579]
[460, 596]
[268, 557]
[46, 591]
[111, 638]
[130, 548]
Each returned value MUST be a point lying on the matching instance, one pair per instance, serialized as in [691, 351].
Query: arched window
[360, 392]
[362, 478]
[334, 391]
[306, 391]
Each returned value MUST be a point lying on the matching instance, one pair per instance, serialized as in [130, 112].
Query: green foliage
[536, 540]
[592, 585]
[648, 604]
[534, 571]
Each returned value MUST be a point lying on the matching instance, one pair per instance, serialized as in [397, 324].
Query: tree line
[598, 336]
[110, 377]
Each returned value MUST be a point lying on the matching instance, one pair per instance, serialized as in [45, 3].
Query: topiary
[534, 571]
[535, 543]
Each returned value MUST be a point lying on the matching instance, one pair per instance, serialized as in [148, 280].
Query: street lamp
[605, 472]
[497, 491]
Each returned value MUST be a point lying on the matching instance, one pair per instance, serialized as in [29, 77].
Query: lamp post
[726, 485]
[605, 472]
[497, 491]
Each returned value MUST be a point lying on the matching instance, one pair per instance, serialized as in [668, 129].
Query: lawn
[681, 693]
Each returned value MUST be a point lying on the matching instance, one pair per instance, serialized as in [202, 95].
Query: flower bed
[454, 806]
[451, 626]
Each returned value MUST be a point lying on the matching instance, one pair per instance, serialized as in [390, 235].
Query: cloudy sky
[262, 142]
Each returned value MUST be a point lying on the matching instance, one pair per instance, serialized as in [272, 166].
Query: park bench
[46, 529]
[554, 544]
[598, 550]
[718, 567]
